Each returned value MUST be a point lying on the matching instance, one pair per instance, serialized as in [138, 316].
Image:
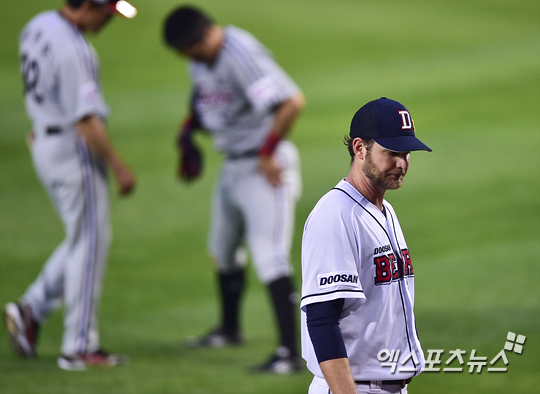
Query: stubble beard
[382, 179]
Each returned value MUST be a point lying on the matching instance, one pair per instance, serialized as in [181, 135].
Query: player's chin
[100, 24]
[394, 182]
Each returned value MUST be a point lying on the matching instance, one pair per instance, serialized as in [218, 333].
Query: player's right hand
[190, 160]
[127, 185]
[125, 179]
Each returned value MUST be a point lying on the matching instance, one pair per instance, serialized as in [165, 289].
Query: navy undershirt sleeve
[324, 331]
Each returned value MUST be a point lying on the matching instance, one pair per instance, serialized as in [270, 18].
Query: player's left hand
[30, 137]
[270, 169]
[190, 159]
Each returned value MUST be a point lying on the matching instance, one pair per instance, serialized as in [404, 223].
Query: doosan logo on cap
[389, 124]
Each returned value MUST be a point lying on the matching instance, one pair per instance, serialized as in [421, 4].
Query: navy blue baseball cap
[389, 124]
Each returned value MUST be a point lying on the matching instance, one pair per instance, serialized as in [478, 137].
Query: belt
[53, 130]
[402, 383]
[243, 155]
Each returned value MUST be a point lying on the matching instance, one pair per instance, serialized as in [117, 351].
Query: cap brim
[123, 8]
[405, 143]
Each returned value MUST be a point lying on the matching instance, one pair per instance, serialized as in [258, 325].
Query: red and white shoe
[22, 329]
[100, 359]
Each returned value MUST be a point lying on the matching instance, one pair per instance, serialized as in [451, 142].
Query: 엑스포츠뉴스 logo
[398, 362]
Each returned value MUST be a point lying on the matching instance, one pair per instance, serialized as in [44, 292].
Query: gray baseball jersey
[234, 98]
[60, 72]
[352, 250]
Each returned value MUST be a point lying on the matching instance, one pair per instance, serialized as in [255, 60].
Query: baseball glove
[191, 160]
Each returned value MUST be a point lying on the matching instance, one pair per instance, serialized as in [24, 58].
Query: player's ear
[359, 148]
[208, 31]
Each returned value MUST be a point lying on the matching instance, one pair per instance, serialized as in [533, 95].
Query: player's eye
[405, 155]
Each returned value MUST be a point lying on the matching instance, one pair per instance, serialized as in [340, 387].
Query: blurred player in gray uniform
[71, 154]
[248, 104]
[358, 328]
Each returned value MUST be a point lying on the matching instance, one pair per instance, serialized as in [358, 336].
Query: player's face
[201, 52]
[97, 17]
[385, 168]
[207, 49]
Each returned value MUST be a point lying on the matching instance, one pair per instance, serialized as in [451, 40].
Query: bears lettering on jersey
[389, 269]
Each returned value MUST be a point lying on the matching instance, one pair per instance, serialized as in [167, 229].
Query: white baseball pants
[77, 185]
[246, 207]
[319, 386]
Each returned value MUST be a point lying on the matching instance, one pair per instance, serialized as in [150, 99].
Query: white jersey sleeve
[79, 90]
[258, 75]
[329, 258]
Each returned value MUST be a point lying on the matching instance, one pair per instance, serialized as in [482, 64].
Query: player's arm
[190, 163]
[286, 113]
[93, 131]
[284, 116]
[337, 374]
[192, 121]
[323, 326]
[79, 92]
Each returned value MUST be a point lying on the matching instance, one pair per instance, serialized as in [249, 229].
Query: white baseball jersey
[350, 250]
[60, 72]
[236, 94]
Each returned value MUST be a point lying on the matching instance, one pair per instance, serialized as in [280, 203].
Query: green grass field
[469, 72]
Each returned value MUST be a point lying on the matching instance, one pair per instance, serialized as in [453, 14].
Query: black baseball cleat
[281, 363]
[215, 339]
[22, 329]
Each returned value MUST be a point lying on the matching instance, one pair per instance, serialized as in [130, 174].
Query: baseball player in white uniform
[245, 100]
[71, 154]
[357, 273]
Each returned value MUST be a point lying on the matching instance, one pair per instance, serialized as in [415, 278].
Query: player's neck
[215, 38]
[72, 15]
[366, 187]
